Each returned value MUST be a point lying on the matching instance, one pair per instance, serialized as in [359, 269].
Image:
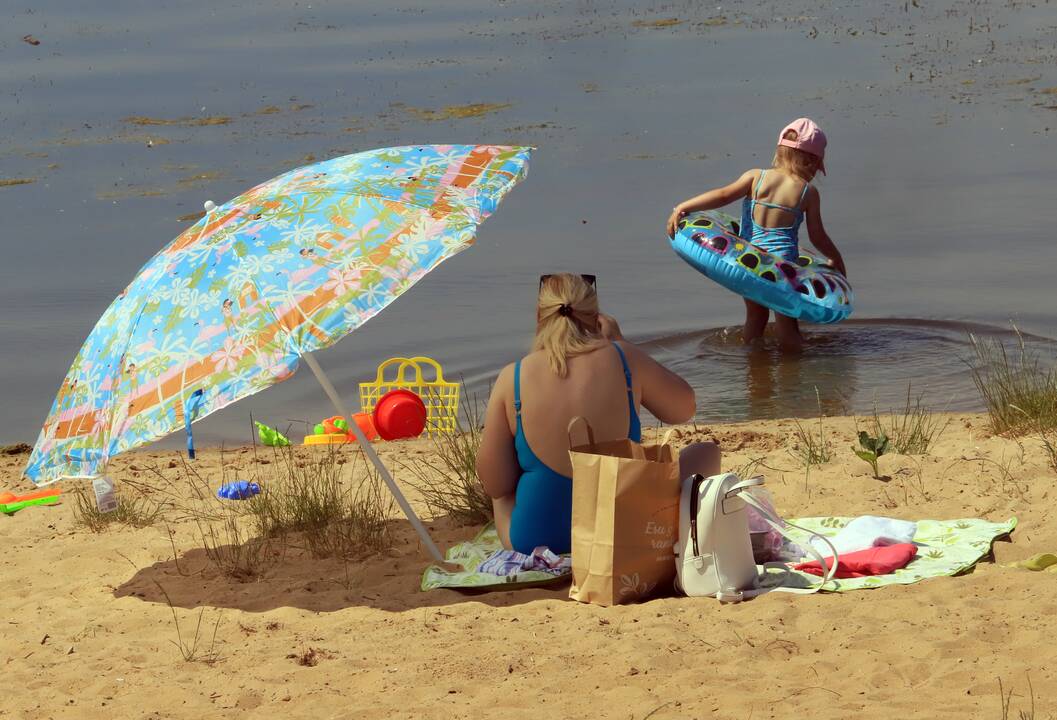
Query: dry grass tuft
[449, 483]
[1019, 391]
[912, 431]
[133, 510]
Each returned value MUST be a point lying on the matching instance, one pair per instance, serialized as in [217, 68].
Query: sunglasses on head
[589, 279]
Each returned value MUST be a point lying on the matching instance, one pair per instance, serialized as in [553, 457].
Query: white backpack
[713, 556]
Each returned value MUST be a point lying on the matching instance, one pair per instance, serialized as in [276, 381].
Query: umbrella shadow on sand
[387, 581]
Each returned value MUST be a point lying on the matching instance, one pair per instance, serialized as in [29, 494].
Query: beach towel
[945, 547]
[511, 562]
[470, 556]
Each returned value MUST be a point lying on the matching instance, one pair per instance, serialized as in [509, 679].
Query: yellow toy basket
[440, 397]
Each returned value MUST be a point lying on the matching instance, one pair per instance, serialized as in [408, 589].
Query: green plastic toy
[13, 507]
[270, 436]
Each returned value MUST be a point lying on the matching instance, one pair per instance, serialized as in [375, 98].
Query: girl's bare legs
[503, 510]
[701, 458]
[755, 321]
[789, 337]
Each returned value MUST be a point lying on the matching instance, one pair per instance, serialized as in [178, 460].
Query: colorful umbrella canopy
[287, 268]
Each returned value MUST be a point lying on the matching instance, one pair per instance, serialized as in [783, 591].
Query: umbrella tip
[209, 205]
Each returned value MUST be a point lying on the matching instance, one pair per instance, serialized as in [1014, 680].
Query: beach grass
[448, 481]
[192, 648]
[914, 429]
[334, 511]
[132, 511]
[320, 501]
[1018, 389]
[811, 447]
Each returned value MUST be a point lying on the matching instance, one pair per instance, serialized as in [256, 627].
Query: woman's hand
[609, 328]
[673, 220]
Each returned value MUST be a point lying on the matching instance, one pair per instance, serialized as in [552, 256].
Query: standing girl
[775, 202]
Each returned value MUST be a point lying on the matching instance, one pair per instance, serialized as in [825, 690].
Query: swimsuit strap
[627, 380]
[517, 391]
[756, 196]
[759, 181]
[800, 203]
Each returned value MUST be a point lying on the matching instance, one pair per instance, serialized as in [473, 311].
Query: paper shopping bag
[625, 518]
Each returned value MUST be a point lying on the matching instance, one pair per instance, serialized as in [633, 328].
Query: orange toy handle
[6, 498]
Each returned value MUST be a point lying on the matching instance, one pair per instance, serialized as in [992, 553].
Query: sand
[87, 632]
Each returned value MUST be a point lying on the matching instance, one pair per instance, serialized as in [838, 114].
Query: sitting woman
[580, 366]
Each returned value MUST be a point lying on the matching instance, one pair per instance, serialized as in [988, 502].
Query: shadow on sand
[294, 579]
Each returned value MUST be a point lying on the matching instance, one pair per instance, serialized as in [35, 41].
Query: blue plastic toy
[809, 289]
[239, 490]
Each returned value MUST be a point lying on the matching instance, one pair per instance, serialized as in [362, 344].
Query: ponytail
[566, 320]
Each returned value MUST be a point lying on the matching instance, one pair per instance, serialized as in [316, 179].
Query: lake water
[940, 192]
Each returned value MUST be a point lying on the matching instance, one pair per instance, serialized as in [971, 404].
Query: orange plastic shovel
[7, 497]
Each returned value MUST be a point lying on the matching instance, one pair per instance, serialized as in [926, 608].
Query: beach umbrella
[233, 304]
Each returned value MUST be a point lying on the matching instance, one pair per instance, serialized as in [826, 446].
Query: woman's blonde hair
[566, 320]
[796, 162]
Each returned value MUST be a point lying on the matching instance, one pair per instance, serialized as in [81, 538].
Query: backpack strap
[829, 570]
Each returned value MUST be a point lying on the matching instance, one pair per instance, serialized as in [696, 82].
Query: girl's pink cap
[809, 138]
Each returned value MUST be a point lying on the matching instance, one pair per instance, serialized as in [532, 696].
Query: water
[941, 170]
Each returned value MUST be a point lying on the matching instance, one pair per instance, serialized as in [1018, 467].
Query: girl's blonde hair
[566, 320]
[796, 162]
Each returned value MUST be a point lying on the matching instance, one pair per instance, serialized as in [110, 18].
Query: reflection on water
[845, 369]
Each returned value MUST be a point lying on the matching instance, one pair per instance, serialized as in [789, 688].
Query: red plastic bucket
[399, 414]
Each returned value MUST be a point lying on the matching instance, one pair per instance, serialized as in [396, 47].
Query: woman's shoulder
[504, 381]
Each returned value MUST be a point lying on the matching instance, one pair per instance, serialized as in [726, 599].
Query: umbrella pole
[335, 399]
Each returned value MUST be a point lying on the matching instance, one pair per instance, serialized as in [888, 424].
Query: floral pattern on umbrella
[289, 267]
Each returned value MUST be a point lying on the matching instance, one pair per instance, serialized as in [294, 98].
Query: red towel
[879, 560]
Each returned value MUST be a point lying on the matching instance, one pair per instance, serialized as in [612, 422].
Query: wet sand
[88, 632]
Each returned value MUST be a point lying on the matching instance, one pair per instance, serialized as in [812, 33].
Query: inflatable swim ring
[810, 289]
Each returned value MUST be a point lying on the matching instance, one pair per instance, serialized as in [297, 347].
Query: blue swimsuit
[780, 241]
[543, 505]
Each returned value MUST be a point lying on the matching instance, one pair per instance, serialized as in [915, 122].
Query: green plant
[872, 448]
[1019, 392]
[809, 448]
[133, 511]
[912, 431]
[448, 481]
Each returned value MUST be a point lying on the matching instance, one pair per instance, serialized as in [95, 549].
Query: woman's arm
[712, 199]
[817, 232]
[665, 394]
[497, 464]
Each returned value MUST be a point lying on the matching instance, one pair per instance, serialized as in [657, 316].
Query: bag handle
[402, 362]
[581, 420]
[829, 571]
[744, 484]
[422, 360]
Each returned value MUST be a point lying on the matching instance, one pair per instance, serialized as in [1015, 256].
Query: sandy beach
[125, 124]
[89, 631]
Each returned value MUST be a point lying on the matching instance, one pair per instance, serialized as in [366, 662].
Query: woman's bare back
[595, 388]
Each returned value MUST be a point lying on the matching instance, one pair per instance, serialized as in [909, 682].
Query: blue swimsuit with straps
[780, 241]
[543, 505]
